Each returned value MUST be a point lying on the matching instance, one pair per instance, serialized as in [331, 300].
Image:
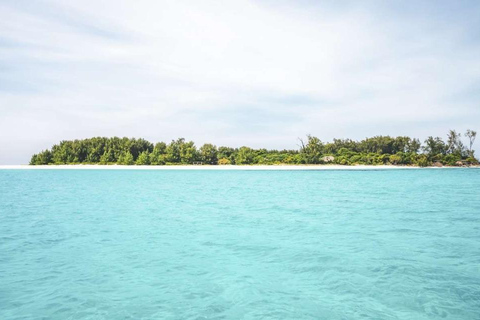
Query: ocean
[131, 244]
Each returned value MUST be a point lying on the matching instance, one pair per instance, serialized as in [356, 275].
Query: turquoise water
[125, 244]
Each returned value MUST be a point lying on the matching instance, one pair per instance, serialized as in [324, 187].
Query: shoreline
[220, 167]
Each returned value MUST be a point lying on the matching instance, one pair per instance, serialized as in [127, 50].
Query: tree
[337, 144]
[451, 159]
[313, 150]
[143, 158]
[188, 152]
[375, 150]
[126, 158]
[244, 155]
[160, 147]
[107, 157]
[378, 144]
[471, 135]
[79, 150]
[158, 155]
[454, 144]
[33, 160]
[173, 150]
[44, 157]
[157, 158]
[137, 146]
[395, 159]
[400, 144]
[208, 154]
[434, 146]
[413, 146]
[423, 161]
[226, 153]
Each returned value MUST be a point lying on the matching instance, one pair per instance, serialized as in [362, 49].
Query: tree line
[378, 150]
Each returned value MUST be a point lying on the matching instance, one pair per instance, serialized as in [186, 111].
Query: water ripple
[239, 245]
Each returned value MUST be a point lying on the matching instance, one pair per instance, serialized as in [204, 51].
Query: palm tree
[471, 137]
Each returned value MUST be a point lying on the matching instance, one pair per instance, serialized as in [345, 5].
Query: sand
[210, 167]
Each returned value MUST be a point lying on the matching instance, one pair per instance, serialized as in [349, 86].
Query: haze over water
[125, 244]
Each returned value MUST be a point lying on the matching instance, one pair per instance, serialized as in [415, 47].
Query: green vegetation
[379, 150]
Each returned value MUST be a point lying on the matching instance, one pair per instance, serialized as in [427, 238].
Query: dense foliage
[379, 150]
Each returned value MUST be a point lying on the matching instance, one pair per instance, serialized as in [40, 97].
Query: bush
[472, 160]
[395, 159]
[422, 161]
[223, 161]
[451, 159]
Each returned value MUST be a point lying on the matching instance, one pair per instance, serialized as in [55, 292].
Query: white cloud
[239, 72]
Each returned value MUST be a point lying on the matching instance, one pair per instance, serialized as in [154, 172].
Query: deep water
[130, 244]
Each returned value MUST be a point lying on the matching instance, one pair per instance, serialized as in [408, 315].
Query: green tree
[454, 143]
[33, 160]
[451, 159]
[63, 153]
[126, 158]
[44, 157]
[400, 144]
[188, 153]
[374, 150]
[157, 158]
[143, 158]
[244, 155]
[158, 155]
[107, 157]
[337, 144]
[208, 154]
[378, 144]
[471, 135]
[395, 159]
[227, 153]
[413, 146]
[434, 146]
[137, 146]
[423, 161]
[312, 150]
[173, 150]
[160, 147]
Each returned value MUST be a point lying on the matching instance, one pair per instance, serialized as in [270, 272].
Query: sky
[254, 73]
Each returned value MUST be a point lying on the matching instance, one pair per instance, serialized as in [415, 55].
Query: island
[378, 150]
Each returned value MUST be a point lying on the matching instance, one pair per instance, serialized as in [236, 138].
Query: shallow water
[397, 244]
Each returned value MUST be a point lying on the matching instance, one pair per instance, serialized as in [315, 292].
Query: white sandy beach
[211, 167]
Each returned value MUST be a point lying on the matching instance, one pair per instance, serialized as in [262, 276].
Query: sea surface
[130, 244]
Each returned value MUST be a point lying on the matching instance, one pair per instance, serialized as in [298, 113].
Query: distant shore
[216, 167]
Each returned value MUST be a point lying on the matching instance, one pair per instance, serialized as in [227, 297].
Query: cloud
[239, 73]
